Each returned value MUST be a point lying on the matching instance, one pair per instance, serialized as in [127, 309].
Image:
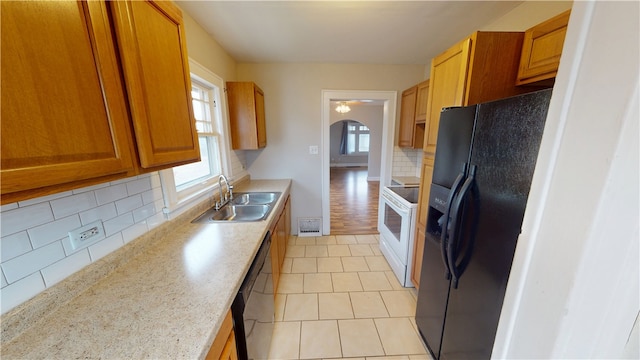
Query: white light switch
[313, 149]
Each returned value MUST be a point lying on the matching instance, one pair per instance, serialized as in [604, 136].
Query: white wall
[528, 14]
[293, 106]
[573, 290]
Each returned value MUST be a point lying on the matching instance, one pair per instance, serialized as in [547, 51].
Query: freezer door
[455, 134]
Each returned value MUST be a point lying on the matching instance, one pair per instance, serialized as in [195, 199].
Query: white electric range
[397, 225]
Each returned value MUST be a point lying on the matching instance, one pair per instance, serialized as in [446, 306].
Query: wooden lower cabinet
[275, 262]
[426, 175]
[279, 237]
[418, 251]
[224, 345]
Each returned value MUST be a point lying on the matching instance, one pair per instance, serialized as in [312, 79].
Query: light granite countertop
[166, 302]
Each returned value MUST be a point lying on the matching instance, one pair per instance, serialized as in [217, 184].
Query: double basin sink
[249, 206]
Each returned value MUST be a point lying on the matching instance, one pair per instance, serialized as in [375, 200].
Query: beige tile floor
[338, 298]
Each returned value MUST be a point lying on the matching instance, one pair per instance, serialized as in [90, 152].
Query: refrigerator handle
[452, 245]
[445, 225]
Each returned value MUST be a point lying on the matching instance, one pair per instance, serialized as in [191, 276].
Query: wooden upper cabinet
[448, 75]
[407, 115]
[412, 116]
[421, 102]
[246, 116]
[482, 67]
[541, 51]
[156, 69]
[68, 109]
[64, 115]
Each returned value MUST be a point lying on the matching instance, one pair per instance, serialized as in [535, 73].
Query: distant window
[358, 139]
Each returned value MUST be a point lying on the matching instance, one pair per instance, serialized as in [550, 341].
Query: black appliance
[253, 308]
[485, 158]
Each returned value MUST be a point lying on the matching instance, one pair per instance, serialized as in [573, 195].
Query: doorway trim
[388, 128]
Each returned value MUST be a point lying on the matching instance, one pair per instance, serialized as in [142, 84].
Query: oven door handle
[445, 225]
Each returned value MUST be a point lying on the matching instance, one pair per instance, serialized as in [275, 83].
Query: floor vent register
[309, 226]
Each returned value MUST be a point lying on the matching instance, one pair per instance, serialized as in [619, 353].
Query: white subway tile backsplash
[21, 291]
[8, 207]
[111, 193]
[50, 232]
[104, 213]
[129, 203]
[144, 212]
[156, 220]
[43, 199]
[23, 218]
[35, 250]
[57, 271]
[155, 180]
[106, 246]
[152, 195]
[90, 188]
[134, 231]
[26, 264]
[118, 224]
[138, 186]
[73, 204]
[14, 245]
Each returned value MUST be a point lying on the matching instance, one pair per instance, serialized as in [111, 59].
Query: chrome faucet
[228, 195]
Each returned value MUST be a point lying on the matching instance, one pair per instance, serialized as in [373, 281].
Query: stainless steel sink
[232, 212]
[255, 198]
[248, 206]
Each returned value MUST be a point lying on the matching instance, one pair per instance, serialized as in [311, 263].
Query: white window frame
[176, 202]
[357, 133]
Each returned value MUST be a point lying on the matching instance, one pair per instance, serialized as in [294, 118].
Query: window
[203, 110]
[357, 139]
[186, 183]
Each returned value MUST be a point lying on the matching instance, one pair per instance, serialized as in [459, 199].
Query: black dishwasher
[253, 308]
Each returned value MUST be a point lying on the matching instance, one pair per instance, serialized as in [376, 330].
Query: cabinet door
[542, 48]
[421, 102]
[229, 351]
[260, 118]
[426, 175]
[60, 124]
[447, 87]
[287, 218]
[246, 116]
[407, 114]
[156, 71]
[418, 250]
[282, 239]
[275, 266]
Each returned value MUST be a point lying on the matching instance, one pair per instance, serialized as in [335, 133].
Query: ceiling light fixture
[343, 108]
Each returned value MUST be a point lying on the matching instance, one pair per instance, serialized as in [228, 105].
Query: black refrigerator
[484, 162]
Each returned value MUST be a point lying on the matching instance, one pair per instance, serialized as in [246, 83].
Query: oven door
[394, 226]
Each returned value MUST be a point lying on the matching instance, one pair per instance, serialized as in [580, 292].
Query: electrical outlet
[313, 149]
[86, 235]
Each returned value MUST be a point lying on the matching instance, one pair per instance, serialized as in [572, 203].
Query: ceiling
[356, 32]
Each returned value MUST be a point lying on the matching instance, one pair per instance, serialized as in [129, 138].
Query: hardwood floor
[354, 202]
